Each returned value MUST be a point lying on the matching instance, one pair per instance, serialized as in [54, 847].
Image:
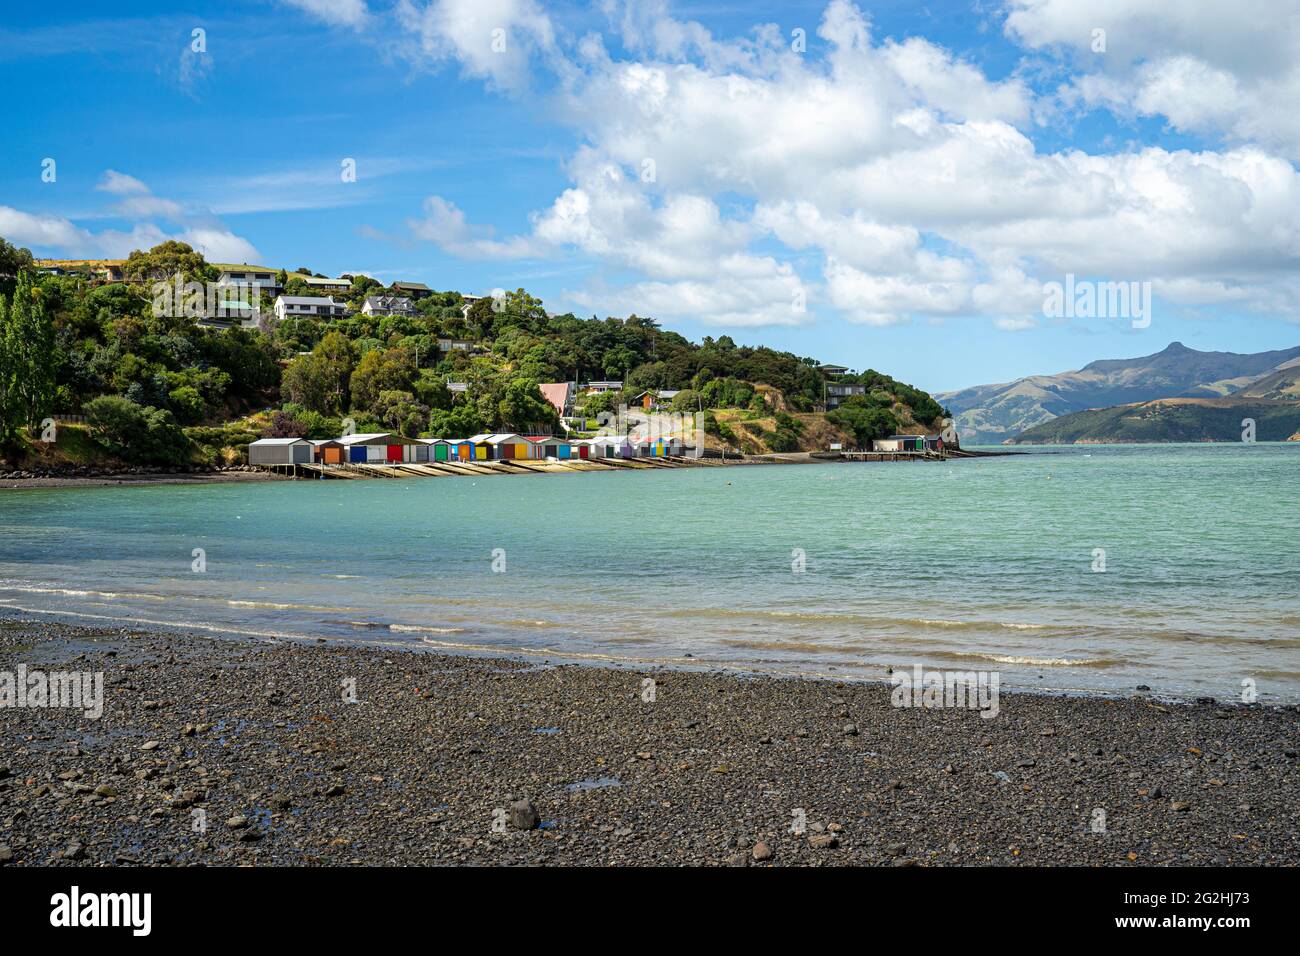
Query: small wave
[423, 629]
[862, 620]
[169, 625]
[76, 592]
[1051, 661]
[796, 646]
[1025, 660]
[273, 606]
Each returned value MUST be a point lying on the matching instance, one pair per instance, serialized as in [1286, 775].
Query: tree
[319, 381]
[166, 260]
[13, 260]
[9, 419]
[378, 372]
[136, 433]
[460, 421]
[687, 400]
[400, 411]
[522, 407]
[27, 358]
[432, 390]
[865, 423]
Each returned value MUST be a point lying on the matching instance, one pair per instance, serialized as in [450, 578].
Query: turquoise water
[978, 564]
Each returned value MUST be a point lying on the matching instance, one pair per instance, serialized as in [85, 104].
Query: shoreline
[113, 479]
[252, 473]
[257, 736]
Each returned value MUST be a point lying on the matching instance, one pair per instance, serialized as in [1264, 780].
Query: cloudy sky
[881, 185]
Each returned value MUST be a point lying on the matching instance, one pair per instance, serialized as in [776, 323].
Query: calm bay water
[980, 564]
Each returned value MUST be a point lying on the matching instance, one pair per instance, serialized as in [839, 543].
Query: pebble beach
[224, 752]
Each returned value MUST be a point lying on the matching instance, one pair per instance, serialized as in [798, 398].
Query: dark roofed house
[416, 290]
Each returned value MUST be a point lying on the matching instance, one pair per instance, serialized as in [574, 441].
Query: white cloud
[202, 231]
[1230, 70]
[348, 13]
[120, 183]
[720, 173]
[494, 40]
[1016, 324]
[444, 225]
[28, 229]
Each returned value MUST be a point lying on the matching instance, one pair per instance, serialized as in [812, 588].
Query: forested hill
[164, 388]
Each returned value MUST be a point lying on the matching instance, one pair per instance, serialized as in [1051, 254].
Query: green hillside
[1173, 420]
[163, 389]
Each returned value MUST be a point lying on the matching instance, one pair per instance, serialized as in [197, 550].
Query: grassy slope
[72, 447]
[753, 430]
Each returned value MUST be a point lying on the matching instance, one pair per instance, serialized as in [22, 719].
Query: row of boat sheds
[387, 448]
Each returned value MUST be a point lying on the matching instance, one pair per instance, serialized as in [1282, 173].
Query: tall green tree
[166, 260]
[27, 358]
[13, 260]
[8, 377]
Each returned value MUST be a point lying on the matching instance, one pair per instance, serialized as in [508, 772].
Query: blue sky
[893, 195]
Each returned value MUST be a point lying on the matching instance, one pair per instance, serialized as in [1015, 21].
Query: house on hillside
[387, 305]
[837, 393]
[468, 301]
[415, 290]
[308, 307]
[96, 270]
[447, 346]
[242, 274]
[597, 388]
[321, 284]
[656, 398]
[560, 394]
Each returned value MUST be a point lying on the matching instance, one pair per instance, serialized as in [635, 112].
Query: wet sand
[226, 752]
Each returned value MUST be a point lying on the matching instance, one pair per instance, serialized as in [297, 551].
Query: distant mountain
[1170, 420]
[988, 414]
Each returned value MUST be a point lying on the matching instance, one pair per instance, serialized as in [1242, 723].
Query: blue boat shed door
[357, 453]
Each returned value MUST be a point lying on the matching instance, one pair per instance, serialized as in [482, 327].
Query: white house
[321, 284]
[468, 300]
[308, 306]
[387, 305]
[241, 273]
